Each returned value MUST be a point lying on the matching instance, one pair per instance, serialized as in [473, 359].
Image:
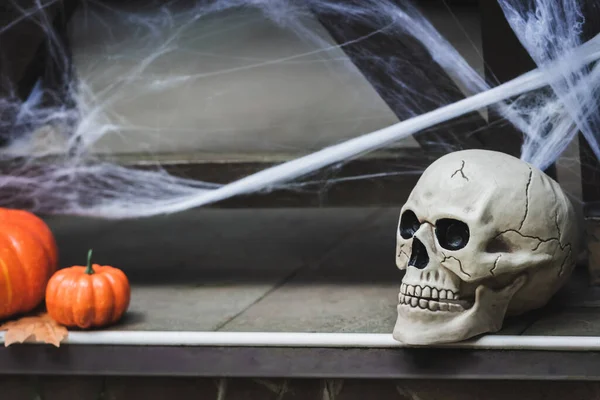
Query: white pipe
[586, 53]
[320, 340]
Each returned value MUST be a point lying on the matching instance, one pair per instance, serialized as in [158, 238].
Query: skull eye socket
[451, 234]
[409, 224]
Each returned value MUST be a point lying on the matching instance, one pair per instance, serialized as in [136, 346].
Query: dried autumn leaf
[39, 328]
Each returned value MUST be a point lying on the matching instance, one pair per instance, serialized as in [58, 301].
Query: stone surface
[353, 289]
[198, 269]
[567, 322]
[311, 270]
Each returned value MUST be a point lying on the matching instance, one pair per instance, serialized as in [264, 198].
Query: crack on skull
[461, 170]
[457, 260]
[495, 265]
[401, 251]
[568, 256]
[557, 226]
[529, 179]
[564, 247]
[539, 239]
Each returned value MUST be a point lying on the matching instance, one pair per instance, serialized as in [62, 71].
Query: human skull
[482, 235]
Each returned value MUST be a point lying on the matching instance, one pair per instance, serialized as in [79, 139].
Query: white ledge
[320, 340]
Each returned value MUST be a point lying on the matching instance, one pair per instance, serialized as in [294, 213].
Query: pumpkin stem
[89, 270]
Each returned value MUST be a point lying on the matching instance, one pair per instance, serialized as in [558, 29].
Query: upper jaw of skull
[432, 289]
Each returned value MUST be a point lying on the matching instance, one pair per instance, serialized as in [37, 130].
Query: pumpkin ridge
[20, 268]
[91, 310]
[106, 312]
[48, 247]
[51, 268]
[16, 278]
[34, 296]
[25, 296]
[121, 289]
[83, 301]
[34, 224]
[7, 279]
[66, 293]
[51, 292]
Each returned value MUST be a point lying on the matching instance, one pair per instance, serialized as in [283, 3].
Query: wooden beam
[378, 179]
[393, 49]
[505, 59]
[590, 165]
[27, 54]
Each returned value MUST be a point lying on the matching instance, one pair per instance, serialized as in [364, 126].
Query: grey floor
[290, 270]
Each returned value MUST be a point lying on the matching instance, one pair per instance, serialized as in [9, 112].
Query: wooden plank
[195, 270]
[29, 53]
[388, 47]
[378, 179]
[590, 165]
[291, 362]
[505, 59]
[338, 295]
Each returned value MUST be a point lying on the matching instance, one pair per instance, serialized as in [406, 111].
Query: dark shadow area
[242, 246]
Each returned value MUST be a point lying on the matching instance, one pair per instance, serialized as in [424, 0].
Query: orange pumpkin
[28, 258]
[86, 297]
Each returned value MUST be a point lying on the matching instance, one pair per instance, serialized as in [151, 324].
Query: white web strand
[369, 142]
[548, 105]
[549, 31]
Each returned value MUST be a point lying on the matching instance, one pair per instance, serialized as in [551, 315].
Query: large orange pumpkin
[85, 297]
[28, 258]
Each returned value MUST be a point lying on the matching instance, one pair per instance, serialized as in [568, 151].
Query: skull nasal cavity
[418, 256]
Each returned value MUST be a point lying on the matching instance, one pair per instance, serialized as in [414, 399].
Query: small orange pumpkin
[28, 258]
[86, 297]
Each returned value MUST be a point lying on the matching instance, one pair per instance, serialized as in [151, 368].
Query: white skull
[482, 235]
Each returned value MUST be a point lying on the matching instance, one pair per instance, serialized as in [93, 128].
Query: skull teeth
[428, 292]
[431, 305]
[431, 298]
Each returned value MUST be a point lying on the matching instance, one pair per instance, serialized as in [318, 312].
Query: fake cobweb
[155, 80]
